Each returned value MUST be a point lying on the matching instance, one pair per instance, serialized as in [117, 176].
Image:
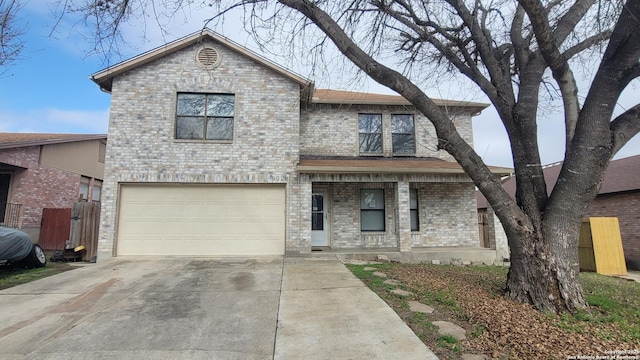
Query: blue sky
[49, 89]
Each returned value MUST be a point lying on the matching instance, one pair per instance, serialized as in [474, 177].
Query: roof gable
[104, 78]
[15, 140]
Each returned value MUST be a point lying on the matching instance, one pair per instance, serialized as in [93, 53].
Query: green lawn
[10, 277]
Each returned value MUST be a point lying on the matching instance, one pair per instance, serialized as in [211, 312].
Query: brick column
[304, 214]
[404, 216]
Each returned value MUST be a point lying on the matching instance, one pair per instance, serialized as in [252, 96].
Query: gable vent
[208, 57]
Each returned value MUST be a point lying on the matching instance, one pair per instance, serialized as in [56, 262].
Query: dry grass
[503, 329]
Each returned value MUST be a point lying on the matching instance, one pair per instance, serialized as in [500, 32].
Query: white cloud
[55, 121]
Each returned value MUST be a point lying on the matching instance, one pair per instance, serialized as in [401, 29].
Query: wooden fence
[483, 229]
[85, 222]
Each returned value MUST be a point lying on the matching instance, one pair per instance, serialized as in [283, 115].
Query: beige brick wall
[332, 130]
[447, 211]
[142, 146]
[448, 215]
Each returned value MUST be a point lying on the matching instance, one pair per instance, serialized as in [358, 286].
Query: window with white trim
[205, 116]
[372, 210]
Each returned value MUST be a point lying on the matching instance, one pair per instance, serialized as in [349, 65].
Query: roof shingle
[329, 96]
[621, 175]
[14, 140]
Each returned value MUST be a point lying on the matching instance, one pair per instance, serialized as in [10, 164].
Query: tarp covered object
[15, 245]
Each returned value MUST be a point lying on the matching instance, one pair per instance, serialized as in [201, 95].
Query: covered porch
[411, 210]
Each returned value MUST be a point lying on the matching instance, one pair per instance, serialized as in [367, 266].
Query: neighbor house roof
[328, 96]
[360, 165]
[104, 78]
[621, 175]
[14, 140]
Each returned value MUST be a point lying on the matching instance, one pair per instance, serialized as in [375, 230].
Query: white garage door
[201, 220]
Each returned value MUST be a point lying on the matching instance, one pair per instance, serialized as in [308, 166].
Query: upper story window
[403, 134]
[205, 116]
[370, 129]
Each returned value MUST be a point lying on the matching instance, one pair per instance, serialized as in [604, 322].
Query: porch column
[404, 216]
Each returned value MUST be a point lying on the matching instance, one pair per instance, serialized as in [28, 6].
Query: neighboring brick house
[47, 171]
[214, 150]
[619, 196]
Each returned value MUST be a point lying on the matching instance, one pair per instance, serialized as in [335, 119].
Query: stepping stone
[401, 292]
[416, 306]
[379, 274]
[383, 259]
[369, 268]
[392, 282]
[447, 328]
[473, 357]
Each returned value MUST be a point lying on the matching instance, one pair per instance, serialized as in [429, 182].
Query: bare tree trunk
[544, 269]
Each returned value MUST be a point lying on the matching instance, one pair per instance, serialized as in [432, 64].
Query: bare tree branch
[624, 127]
[466, 65]
[499, 76]
[11, 44]
[554, 59]
[587, 44]
[571, 18]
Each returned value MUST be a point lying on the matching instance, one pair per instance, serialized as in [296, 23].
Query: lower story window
[372, 210]
[413, 197]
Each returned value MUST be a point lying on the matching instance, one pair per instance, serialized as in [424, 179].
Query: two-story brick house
[216, 151]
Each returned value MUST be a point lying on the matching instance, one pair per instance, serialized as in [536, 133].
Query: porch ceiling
[361, 165]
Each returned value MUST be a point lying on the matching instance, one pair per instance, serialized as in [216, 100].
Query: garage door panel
[201, 220]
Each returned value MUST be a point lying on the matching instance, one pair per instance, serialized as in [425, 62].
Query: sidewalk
[327, 313]
[631, 275]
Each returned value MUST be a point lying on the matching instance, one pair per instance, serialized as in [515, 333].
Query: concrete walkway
[185, 308]
[327, 313]
[631, 275]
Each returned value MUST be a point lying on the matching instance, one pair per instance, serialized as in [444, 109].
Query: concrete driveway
[186, 308]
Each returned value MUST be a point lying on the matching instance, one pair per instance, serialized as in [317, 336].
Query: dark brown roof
[328, 96]
[379, 165]
[621, 175]
[14, 140]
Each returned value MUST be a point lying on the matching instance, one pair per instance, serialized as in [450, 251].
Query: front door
[319, 219]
